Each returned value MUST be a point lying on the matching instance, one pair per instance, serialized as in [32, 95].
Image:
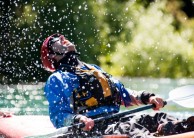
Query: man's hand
[89, 123]
[157, 101]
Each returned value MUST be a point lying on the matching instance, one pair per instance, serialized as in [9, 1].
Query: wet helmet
[46, 51]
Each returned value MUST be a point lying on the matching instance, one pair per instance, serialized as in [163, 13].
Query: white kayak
[33, 125]
[22, 126]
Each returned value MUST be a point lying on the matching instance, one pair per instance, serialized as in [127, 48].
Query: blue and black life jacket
[95, 89]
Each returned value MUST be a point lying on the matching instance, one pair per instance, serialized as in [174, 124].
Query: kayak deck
[22, 126]
[32, 125]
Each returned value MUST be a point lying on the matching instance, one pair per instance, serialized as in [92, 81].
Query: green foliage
[134, 38]
[156, 49]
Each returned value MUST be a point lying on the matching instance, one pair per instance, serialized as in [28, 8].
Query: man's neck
[71, 59]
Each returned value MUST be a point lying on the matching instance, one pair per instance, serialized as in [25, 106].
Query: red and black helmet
[46, 51]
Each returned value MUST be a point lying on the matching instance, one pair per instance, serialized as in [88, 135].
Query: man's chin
[72, 53]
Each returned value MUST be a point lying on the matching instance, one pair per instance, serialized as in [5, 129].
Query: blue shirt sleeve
[125, 96]
[58, 93]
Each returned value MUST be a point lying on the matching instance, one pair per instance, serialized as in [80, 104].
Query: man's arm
[143, 97]
[131, 97]
[58, 95]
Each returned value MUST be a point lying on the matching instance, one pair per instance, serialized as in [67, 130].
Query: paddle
[182, 96]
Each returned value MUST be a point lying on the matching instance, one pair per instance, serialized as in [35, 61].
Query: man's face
[62, 45]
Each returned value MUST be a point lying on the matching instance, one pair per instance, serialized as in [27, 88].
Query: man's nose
[65, 42]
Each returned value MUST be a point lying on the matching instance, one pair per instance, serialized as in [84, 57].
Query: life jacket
[95, 89]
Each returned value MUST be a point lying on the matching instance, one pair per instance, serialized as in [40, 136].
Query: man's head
[54, 48]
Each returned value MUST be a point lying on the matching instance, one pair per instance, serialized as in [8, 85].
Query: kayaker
[5, 114]
[79, 92]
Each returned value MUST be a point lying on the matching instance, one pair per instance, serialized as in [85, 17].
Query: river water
[29, 99]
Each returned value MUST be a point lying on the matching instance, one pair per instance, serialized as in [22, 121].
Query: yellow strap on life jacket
[91, 102]
[102, 79]
[104, 83]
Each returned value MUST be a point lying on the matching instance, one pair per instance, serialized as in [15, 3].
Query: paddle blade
[183, 96]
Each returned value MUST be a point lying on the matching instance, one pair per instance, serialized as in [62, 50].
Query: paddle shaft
[116, 115]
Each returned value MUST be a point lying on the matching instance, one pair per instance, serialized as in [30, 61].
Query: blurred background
[150, 38]
[142, 42]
